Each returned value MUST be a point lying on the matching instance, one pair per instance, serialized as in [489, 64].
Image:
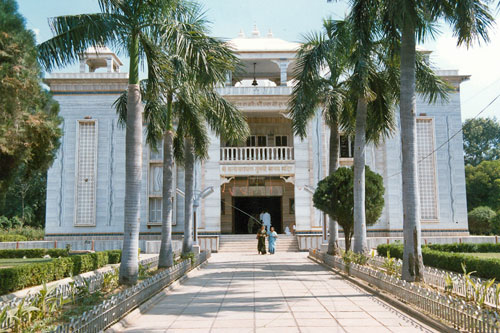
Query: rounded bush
[479, 220]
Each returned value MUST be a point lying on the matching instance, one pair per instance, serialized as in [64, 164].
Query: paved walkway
[281, 293]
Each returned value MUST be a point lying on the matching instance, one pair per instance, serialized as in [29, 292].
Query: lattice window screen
[155, 187]
[85, 200]
[155, 210]
[427, 170]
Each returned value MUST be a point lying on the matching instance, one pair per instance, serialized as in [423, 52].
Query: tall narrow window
[346, 146]
[427, 169]
[155, 187]
[86, 159]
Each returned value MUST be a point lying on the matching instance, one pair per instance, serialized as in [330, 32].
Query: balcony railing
[256, 154]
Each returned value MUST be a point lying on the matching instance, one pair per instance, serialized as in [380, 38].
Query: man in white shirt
[265, 217]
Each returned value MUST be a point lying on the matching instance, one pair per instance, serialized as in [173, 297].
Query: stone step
[248, 243]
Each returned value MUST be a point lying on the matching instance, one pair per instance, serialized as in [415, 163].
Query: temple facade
[272, 171]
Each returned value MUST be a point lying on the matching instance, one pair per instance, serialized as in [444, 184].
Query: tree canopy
[483, 185]
[481, 140]
[334, 196]
[29, 125]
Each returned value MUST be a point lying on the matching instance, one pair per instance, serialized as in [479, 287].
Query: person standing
[273, 236]
[250, 224]
[266, 220]
[261, 240]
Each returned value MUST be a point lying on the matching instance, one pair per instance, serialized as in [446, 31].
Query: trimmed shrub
[452, 261]
[479, 220]
[466, 247]
[33, 253]
[23, 276]
[114, 256]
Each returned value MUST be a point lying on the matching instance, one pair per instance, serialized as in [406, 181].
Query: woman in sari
[261, 237]
[273, 235]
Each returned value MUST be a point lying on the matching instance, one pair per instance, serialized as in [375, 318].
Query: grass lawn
[494, 255]
[11, 262]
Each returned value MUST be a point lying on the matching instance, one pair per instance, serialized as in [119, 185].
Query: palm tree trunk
[129, 266]
[333, 240]
[166, 258]
[412, 255]
[360, 244]
[187, 244]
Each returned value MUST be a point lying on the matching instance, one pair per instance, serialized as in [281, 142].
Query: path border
[124, 323]
[386, 297]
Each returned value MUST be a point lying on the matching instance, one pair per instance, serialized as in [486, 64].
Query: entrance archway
[243, 224]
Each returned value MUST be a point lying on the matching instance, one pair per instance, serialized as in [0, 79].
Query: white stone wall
[110, 167]
[211, 206]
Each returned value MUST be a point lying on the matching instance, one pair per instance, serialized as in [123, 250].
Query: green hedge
[452, 261]
[465, 247]
[33, 253]
[20, 277]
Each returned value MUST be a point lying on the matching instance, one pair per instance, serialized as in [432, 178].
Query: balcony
[254, 91]
[256, 154]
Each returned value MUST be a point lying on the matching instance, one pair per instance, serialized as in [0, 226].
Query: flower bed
[90, 304]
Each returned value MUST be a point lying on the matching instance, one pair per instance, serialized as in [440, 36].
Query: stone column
[229, 79]
[283, 65]
[109, 65]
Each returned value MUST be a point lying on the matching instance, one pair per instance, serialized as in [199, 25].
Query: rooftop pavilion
[268, 60]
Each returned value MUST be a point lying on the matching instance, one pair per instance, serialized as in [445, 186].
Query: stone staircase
[248, 243]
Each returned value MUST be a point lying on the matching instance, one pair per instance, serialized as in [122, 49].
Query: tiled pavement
[285, 292]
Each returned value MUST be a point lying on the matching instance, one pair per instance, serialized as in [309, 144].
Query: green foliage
[190, 256]
[451, 261]
[481, 140]
[352, 257]
[334, 196]
[20, 277]
[33, 253]
[26, 197]
[12, 238]
[466, 247]
[391, 265]
[480, 220]
[483, 185]
[29, 125]
[20, 234]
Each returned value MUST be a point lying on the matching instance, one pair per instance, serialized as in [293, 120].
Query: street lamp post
[324, 230]
[198, 196]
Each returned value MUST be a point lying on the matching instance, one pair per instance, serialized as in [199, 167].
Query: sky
[290, 19]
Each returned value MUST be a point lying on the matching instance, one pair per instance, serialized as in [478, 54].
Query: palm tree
[133, 27]
[199, 108]
[369, 87]
[410, 22]
[321, 67]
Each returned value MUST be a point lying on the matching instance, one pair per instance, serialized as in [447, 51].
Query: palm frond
[223, 117]
[428, 84]
[74, 34]
[120, 106]
[471, 20]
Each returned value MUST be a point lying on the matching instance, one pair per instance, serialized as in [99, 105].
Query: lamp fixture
[254, 83]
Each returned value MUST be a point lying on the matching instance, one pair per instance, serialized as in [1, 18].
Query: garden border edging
[124, 323]
[426, 319]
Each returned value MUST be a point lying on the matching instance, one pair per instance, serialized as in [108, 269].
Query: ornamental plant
[334, 196]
